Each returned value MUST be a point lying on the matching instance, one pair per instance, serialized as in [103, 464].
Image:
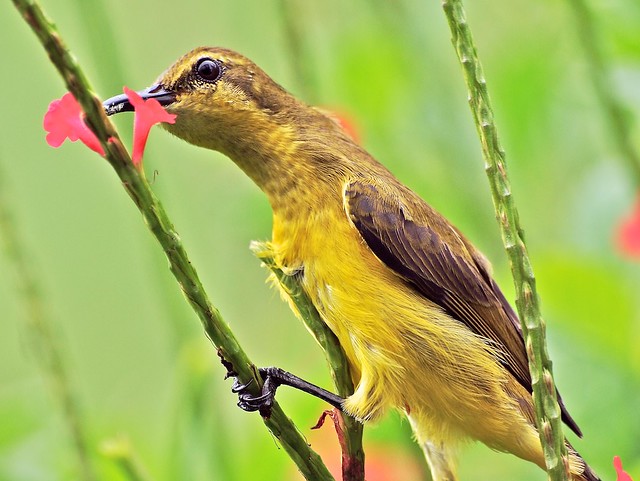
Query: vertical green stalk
[102, 39]
[547, 409]
[43, 341]
[292, 20]
[156, 219]
[617, 118]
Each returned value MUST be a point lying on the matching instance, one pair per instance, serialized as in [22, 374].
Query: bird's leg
[274, 377]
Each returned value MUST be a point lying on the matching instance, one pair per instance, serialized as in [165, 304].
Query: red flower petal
[65, 120]
[148, 113]
[622, 475]
[628, 233]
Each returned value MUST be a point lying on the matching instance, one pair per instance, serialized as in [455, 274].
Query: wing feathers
[424, 249]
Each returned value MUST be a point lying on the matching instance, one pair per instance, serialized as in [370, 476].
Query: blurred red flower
[343, 120]
[348, 125]
[628, 233]
[65, 120]
[622, 475]
[147, 114]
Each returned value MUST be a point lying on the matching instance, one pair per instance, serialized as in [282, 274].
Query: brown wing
[416, 242]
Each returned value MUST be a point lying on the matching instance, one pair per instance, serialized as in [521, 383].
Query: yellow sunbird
[425, 328]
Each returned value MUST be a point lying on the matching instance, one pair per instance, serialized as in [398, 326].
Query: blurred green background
[138, 361]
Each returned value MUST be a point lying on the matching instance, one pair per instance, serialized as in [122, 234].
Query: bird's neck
[300, 165]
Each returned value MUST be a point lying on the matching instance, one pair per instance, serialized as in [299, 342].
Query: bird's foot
[262, 402]
[247, 400]
[272, 377]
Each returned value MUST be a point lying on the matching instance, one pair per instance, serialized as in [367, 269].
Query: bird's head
[223, 102]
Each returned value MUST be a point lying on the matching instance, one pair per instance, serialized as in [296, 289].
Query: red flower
[622, 475]
[65, 120]
[148, 113]
[628, 234]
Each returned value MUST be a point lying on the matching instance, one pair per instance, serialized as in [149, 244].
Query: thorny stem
[547, 410]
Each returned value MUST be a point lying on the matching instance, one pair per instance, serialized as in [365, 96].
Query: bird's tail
[588, 474]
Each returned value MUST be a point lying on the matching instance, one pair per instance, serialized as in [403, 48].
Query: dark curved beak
[120, 103]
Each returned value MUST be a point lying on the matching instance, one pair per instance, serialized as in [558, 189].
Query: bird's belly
[404, 351]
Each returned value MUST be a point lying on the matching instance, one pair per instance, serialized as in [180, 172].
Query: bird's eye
[208, 69]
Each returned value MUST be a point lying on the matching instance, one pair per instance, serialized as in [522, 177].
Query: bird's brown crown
[226, 102]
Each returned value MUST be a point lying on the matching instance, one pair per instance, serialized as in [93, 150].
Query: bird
[425, 328]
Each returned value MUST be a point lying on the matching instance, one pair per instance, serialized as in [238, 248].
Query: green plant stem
[617, 118]
[44, 343]
[533, 328]
[292, 15]
[136, 185]
[353, 458]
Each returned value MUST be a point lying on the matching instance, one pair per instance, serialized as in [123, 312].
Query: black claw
[247, 401]
[262, 402]
[255, 400]
[238, 388]
[247, 407]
